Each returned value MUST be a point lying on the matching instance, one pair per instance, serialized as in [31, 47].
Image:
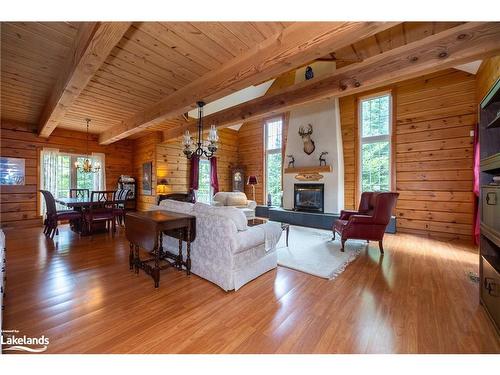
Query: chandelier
[207, 148]
[87, 166]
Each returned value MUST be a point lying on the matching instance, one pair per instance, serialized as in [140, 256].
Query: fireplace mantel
[313, 169]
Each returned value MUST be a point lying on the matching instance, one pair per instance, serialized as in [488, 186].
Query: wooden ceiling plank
[199, 40]
[173, 78]
[156, 46]
[118, 82]
[156, 88]
[43, 30]
[140, 73]
[99, 88]
[24, 31]
[159, 60]
[160, 31]
[92, 47]
[293, 47]
[245, 32]
[17, 44]
[221, 35]
[458, 45]
[69, 29]
[268, 29]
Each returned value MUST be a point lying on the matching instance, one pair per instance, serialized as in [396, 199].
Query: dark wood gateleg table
[144, 230]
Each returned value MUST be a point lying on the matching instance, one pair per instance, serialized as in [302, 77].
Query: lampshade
[162, 186]
[252, 180]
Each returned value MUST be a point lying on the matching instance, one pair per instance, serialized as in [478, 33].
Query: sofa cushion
[236, 199]
[220, 198]
[234, 214]
[177, 206]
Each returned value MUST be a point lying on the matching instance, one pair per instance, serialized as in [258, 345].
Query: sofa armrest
[251, 204]
[217, 204]
[256, 236]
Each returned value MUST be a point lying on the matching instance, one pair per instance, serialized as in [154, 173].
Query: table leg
[179, 257]
[137, 259]
[131, 256]
[156, 271]
[188, 250]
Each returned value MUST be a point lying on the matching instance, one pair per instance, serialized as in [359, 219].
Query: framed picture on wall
[12, 171]
[147, 178]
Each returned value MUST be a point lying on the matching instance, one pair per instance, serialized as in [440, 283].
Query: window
[273, 142]
[204, 192]
[58, 173]
[375, 143]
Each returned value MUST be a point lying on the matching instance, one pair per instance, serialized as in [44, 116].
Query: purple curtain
[214, 181]
[476, 186]
[193, 173]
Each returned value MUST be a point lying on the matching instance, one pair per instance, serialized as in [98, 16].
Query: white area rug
[313, 251]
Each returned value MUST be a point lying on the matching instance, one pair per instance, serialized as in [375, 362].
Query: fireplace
[309, 197]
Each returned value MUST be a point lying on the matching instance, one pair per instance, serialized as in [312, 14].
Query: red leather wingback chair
[369, 222]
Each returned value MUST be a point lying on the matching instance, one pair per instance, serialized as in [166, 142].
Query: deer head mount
[305, 133]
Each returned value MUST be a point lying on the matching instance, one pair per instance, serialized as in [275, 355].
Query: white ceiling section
[233, 99]
[471, 67]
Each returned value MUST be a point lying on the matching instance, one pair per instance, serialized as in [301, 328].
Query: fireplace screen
[309, 197]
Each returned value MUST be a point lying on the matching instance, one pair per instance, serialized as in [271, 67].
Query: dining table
[83, 204]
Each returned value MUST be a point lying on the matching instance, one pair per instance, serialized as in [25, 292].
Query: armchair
[369, 222]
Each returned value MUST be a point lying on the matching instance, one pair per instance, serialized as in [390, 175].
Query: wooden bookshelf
[489, 247]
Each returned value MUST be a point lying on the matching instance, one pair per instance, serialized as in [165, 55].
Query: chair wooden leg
[342, 247]
[54, 229]
[381, 247]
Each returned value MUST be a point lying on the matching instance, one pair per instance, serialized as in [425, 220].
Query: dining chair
[121, 197]
[53, 216]
[102, 210]
[78, 193]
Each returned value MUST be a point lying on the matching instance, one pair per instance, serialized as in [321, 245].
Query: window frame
[273, 151]
[210, 188]
[375, 139]
[73, 174]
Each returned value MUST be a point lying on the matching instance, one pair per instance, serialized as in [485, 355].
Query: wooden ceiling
[32, 54]
[150, 62]
[397, 36]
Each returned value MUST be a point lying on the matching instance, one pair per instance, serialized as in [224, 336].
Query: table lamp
[252, 180]
[162, 186]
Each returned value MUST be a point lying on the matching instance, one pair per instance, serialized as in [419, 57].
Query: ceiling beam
[461, 44]
[296, 45]
[93, 43]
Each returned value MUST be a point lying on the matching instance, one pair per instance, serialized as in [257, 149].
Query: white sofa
[235, 199]
[3, 266]
[226, 251]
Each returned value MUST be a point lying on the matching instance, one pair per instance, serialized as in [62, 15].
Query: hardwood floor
[79, 293]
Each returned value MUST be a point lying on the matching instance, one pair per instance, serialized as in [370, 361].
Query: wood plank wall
[434, 115]
[20, 203]
[169, 162]
[488, 73]
[144, 150]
